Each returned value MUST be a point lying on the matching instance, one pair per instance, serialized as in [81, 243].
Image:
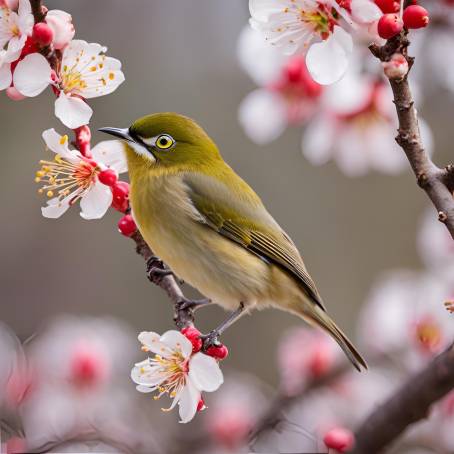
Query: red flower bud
[201, 405]
[108, 177]
[340, 439]
[29, 47]
[120, 193]
[415, 16]
[126, 225]
[42, 34]
[388, 6]
[220, 352]
[193, 335]
[389, 25]
[396, 67]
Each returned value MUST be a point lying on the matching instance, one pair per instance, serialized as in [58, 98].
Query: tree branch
[183, 316]
[406, 406]
[37, 10]
[437, 183]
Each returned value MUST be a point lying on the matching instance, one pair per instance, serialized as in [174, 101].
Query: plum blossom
[176, 371]
[316, 28]
[62, 27]
[14, 29]
[304, 355]
[405, 317]
[85, 72]
[356, 127]
[71, 177]
[287, 96]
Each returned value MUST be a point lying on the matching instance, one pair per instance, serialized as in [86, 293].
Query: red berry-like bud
[126, 225]
[389, 25]
[415, 16]
[108, 177]
[193, 335]
[220, 352]
[42, 34]
[388, 6]
[340, 439]
[120, 196]
[201, 405]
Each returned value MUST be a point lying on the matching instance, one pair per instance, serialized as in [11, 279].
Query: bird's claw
[156, 269]
[187, 304]
[211, 340]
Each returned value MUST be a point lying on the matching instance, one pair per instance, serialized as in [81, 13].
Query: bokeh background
[181, 56]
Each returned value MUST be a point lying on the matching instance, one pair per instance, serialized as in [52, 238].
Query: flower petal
[188, 402]
[5, 76]
[152, 341]
[365, 11]
[262, 116]
[55, 207]
[112, 154]
[205, 373]
[327, 61]
[144, 389]
[32, 75]
[73, 112]
[143, 374]
[96, 202]
[176, 341]
[54, 141]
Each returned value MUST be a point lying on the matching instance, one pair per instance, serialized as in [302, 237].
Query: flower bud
[83, 138]
[201, 405]
[10, 4]
[388, 6]
[221, 352]
[42, 34]
[193, 335]
[14, 95]
[415, 16]
[389, 25]
[108, 177]
[120, 193]
[126, 225]
[396, 67]
[61, 24]
[340, 439]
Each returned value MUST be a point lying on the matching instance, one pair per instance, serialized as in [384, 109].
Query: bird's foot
[157, 270]
[211, 340]
[187, 304]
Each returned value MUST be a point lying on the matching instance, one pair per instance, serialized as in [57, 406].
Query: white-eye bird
[212, 229]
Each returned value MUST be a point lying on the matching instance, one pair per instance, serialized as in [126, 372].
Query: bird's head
[166, 142]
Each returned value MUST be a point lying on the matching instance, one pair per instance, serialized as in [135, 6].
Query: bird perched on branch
[212, 229]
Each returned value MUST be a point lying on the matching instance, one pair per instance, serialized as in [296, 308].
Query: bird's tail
[320, 318]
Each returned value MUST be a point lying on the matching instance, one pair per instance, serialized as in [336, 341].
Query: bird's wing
[230, 211]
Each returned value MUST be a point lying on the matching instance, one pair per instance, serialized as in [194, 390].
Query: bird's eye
[164, 142]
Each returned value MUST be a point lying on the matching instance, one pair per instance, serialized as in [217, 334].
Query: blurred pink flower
[176, 371]
[317, 28]
[305, 354]
[288, 95]
[405, 318]
[356, 128]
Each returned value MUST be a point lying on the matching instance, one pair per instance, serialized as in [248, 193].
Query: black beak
[118, 132]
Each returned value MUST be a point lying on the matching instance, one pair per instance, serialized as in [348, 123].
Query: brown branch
[409, 404]
[437, 183]
[37, 10]
[183, 316]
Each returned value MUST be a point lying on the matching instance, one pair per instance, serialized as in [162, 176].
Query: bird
[210, 227]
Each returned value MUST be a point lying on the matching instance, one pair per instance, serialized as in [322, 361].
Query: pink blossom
[61, 24]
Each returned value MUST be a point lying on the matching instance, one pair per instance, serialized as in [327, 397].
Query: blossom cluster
[309, 74]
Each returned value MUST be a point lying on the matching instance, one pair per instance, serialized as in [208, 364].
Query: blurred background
[181, 56]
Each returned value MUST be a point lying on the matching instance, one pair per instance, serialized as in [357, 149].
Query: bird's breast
[217, 267]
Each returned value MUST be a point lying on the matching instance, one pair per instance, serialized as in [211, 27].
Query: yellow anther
[93, 68]
[142, 370]
[155, 397]
[144, 348]
[161, 389]
[111, 76]
[40, 191]
[173, 394]
[37, 180]
[49, 193]
[40, 174]
[63, 139]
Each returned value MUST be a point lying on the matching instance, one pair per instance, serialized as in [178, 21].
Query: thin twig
[409, 404]
[436, 182]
